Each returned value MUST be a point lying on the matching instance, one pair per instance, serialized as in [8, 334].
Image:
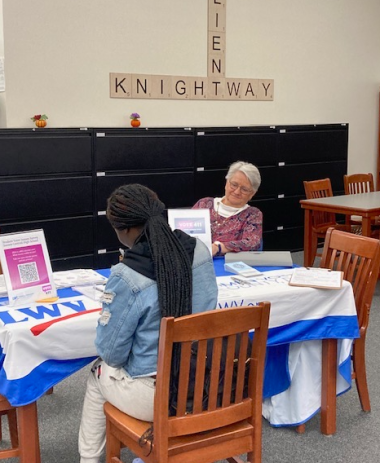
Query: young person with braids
[163, 273]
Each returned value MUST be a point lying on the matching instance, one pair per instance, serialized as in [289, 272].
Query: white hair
[249, 170]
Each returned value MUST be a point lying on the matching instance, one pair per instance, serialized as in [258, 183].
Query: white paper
[77, 277]
[316, 277]
[94, 292]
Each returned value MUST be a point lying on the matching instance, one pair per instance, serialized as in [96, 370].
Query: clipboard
[316, 278]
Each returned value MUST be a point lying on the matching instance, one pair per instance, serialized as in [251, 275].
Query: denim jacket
[128, 328]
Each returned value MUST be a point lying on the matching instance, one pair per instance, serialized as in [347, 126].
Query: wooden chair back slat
[183, 377]
[240, 380]
[214, 377]
[200, 375]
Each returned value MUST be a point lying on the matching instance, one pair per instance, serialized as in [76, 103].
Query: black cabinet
[46, 182]
[60, 179]
[161, 159]
[307, 152]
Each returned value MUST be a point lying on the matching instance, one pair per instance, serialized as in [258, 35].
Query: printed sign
[190, 225]
[194, 222]
[26, 267]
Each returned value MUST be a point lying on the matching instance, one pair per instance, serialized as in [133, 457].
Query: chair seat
[134, 429]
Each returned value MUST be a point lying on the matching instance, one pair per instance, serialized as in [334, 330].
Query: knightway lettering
[216, 86]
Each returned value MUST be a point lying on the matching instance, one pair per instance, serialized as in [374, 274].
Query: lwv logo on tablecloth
[216, 86]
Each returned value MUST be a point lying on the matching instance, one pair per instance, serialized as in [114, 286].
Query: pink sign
[27, 266]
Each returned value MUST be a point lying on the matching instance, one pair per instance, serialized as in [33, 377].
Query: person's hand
[215, 249]
[218, 248]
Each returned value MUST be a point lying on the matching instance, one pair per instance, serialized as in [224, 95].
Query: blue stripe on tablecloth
[25, 390]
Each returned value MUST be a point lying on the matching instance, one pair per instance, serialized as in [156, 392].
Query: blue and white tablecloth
[42, 344]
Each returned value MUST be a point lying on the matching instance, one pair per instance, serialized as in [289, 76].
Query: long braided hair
[135, 205]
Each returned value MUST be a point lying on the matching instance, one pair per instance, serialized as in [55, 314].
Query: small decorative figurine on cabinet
[135, 120]
[40, 120]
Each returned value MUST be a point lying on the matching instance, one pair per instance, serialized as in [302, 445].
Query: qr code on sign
[28, 273]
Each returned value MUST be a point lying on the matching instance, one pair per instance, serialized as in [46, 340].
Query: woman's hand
[215, 249]
[218, 249]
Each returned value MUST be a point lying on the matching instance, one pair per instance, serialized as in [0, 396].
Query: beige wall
[323, 56]
[2, 94]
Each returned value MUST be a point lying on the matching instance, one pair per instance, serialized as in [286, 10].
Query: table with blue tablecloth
[42, 344]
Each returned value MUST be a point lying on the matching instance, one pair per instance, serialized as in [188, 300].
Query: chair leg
[314, 247]
[360, 374]
[13, 432]
[12, 426]
[301, 428]
[255, 456]
[113, 446]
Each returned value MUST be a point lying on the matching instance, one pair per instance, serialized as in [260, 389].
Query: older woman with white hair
[235, 225]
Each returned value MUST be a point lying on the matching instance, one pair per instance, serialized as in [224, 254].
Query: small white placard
[194, 222]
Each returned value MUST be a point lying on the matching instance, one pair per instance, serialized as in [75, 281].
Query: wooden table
[366, 205]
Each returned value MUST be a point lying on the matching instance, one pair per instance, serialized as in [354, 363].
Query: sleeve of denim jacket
[205, 289]
[117, 323]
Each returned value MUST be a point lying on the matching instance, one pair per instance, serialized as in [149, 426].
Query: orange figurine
[40, 120]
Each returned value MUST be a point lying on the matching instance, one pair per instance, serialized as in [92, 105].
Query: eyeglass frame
[244, 190]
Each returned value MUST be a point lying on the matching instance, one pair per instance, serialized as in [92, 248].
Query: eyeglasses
[243, 189]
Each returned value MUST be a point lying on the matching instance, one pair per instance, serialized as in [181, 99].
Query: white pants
[132, 396]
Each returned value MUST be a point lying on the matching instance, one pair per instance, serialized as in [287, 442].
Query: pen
[48, 300]
[99, 289]
[238, 280]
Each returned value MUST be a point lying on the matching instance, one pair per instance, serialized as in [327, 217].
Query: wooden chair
[359, 259]
[7, 409]
[219, 431]
[321, 221]
[360, 183]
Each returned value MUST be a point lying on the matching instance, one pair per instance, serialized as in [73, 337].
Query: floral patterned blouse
[240, 232]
